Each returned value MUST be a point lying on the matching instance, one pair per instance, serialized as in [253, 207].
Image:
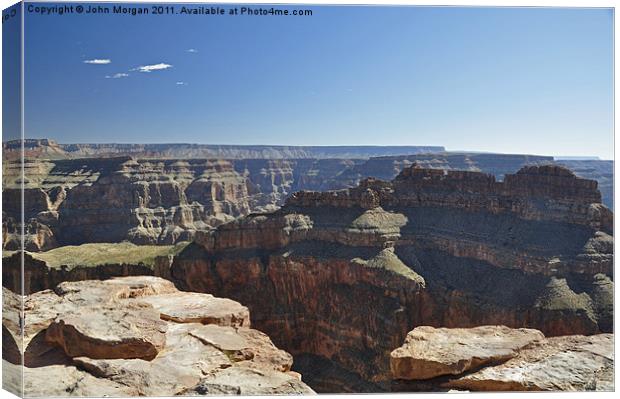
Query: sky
[510, 80]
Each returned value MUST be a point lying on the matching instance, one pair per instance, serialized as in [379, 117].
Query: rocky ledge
[498, 358]
[136, 336]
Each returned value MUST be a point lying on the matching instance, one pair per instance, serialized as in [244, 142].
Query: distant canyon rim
[337, 252]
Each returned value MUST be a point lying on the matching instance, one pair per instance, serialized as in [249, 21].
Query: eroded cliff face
[110, 200]
[163, 201]
[145, 201]
[339, 278]
[50, 149]
[45, 270]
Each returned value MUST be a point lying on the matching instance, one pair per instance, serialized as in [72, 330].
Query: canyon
[50, 149]
[338, 260]
[164, 201]
[432, 247]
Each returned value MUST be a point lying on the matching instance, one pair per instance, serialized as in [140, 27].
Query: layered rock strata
[600, 170]
[337, 278]
[163, 201]
[111, 200]
[145, 201]
[45, 270]
[140, 336]
[48, 148]
[497, 358]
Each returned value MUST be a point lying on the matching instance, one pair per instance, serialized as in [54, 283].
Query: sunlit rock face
[339, 278]
[434, 352]
[140, 336]
[498, 358]
[146, 201]
[162, 194]
[70, 202]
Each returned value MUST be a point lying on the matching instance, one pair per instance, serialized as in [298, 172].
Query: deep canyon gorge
[337, 259]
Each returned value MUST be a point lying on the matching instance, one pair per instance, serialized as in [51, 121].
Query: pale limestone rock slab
[105, 338]
[223, 338]
[58, 381]
[131, 332]
[184, 361]
[249, 381]
[266, 354]
[566, 363]
[191, 307]
[430, 352]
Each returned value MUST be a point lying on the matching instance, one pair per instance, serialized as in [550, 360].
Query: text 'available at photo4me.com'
[160, 9]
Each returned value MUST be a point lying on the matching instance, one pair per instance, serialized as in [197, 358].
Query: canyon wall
[162, 201]
[39, 275]
[145, 201]
[50, 149]
[599, 170]
[339, 278]
[386, 168]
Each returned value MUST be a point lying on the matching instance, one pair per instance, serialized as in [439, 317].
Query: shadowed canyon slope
[164, 201]
[339, 278]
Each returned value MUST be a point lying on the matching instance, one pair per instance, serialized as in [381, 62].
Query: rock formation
[337, 277]
[145, 201]
[110, 200]
[600, 170]
[110, 196]
[50, 149]
[97, 261]
[497, 358]
[140, 336]
[432, 352]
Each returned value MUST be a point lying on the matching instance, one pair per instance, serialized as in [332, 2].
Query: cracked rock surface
[141, 336]
[497, 358]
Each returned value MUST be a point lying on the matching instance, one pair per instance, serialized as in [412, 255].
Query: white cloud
[192, 50]
[117, 76]
[151, 68]
[97, 61]
[181, 83]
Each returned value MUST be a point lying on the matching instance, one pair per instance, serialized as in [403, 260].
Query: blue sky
[513, 80]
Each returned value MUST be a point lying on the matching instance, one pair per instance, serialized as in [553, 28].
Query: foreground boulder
[431, 352]
[497, 358]
[109, 333]
[137, 336]
[569, 363]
